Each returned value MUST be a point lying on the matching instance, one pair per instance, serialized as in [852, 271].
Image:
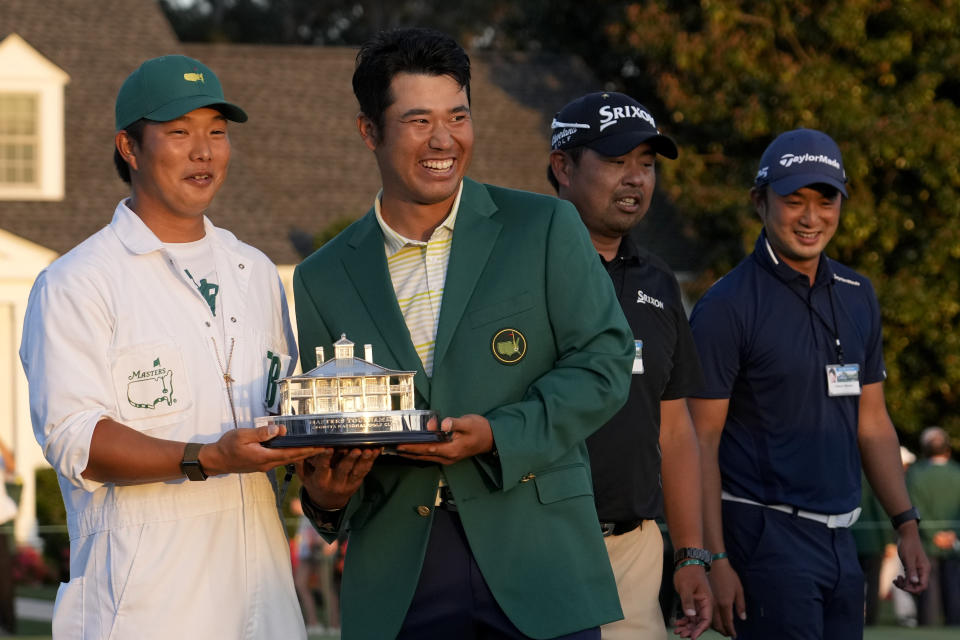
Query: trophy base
[360, 429]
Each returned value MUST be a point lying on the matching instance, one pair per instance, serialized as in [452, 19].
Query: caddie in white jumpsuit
[149, 349]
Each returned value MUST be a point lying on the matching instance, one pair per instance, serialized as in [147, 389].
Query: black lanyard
[836, 327]
[833, 329]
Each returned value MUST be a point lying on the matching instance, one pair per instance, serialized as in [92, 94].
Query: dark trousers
[452, 599]
[801, 580]
[8, 621]
[871, 565]
[943, 593]
[950, 588]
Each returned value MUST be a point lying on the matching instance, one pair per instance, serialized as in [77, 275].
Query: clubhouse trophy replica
[347, 402]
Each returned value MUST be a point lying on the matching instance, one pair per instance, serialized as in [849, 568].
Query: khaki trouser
[637, 561]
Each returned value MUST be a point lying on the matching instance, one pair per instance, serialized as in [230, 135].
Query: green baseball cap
[165, 88]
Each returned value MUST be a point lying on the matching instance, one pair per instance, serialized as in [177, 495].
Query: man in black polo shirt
[791, 346]
[604, 148]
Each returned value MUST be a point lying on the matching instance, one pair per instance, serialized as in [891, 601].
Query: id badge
[638, 358]
[843, 379]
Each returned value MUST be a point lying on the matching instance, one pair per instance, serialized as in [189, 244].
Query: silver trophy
[347, 401]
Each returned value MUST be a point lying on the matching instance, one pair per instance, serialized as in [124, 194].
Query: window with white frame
[32, 162]
[19, 140]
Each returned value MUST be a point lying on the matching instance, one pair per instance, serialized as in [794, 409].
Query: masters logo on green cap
[165, 88]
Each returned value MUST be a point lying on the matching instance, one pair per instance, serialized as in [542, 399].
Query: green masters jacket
[520, 262]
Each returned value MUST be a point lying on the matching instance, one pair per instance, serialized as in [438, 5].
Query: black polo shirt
[765, 338]
[625, 452]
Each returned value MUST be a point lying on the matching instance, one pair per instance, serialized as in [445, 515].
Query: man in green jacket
[934, 485]
[496, 299]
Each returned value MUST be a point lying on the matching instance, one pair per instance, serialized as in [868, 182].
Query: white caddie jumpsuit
[115, 329]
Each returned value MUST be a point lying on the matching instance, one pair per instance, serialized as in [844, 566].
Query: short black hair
[404, 51]
[826, 190]
[135, 131]
[575, 154]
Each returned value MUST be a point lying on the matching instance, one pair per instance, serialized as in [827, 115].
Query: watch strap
[190, 463]
[904, 517]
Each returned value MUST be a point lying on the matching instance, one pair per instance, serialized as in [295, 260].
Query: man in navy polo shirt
[791, 347]
[604, 162]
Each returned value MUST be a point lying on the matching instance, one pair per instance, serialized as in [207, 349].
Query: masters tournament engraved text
[345, 423]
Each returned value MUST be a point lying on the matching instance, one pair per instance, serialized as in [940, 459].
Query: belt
[833, 521]
[619, 528]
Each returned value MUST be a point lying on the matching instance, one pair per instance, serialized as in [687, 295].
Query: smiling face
[612, 194]
[177, 169]
[800, 224]
[426, 143]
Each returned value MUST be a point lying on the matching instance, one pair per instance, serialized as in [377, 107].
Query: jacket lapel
[366, 266]
[473, 239]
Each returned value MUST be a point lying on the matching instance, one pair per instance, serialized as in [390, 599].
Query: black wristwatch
[692, 553]
[906, 516]
[190, 465]
[325, 520]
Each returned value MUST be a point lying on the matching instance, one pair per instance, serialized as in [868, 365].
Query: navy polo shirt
[765, 337]
[625, 452]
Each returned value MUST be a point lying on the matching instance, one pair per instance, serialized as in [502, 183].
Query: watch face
[692, 552]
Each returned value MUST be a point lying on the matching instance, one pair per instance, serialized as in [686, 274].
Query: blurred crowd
[933, 481]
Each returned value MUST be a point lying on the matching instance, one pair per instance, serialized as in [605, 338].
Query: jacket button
[423, 510]
[528, 477]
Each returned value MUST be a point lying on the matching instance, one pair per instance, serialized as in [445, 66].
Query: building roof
[298, 164]
[352, 367]
[347, 366]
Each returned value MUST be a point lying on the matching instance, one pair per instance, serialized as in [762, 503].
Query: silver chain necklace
[228, 380]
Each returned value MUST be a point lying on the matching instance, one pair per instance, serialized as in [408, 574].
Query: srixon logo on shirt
[146, 388]
[612, 115]
[643, 298]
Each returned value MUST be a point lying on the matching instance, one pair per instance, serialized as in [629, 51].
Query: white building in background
[31, 168]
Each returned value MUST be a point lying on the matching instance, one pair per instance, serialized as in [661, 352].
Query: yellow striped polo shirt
[418, 270]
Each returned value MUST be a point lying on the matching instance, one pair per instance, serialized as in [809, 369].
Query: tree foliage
[724, 78]
[318, 22]
[880, 77]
